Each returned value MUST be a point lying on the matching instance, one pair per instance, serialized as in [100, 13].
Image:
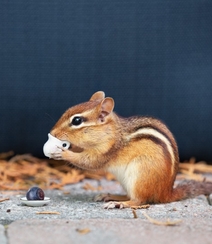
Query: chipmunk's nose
[54, 145]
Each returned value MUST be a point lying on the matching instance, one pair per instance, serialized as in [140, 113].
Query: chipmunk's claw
[111, 205]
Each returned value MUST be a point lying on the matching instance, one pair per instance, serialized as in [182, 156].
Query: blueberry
[35, 193]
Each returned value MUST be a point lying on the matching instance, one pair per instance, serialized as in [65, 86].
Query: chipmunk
[141, 152]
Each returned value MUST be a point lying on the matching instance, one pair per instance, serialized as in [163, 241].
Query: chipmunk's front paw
[60, 154]
[111, 205]
[57, 155]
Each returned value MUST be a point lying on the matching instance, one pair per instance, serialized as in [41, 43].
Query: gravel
[75, 205]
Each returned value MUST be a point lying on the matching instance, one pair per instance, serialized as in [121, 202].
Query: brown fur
[140, 151]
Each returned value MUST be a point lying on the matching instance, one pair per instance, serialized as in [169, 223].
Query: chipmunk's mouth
[55, 145]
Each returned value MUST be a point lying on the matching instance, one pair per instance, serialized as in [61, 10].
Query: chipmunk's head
[82, 126]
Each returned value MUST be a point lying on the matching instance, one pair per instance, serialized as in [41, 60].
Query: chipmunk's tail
[190, 189]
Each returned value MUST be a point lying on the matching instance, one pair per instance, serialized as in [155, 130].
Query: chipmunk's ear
[106, 108]
[98, 96]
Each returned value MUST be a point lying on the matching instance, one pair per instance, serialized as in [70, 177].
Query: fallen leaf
[83, 231]
[6, 155]
[4, 199]
[134, 214]
[88, 186]
[165, 223]
[48, 212]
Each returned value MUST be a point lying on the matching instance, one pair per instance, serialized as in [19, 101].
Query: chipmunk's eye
[77, 120]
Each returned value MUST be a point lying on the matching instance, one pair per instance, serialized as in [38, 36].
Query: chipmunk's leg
[109, 197]
[124, 204]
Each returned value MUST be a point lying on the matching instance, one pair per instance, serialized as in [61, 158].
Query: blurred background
[153, 57]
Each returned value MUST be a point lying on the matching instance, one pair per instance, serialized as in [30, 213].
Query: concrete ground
[81, 220]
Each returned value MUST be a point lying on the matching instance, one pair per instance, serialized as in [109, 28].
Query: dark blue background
[153, 57]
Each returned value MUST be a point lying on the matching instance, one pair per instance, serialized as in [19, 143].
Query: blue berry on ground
[35, 193]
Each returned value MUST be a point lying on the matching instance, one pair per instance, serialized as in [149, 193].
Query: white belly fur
[126, 175]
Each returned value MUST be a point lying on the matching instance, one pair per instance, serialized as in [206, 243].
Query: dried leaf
[99, 174]
[48, 212]
[165, 223]
[23, 171]
[134, 214]
[4, 199]
[83, 231]
[6, 155]
[88, 186]
[72, 177]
